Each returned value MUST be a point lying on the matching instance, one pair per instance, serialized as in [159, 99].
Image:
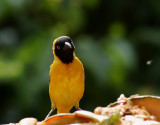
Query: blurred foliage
[114, 40]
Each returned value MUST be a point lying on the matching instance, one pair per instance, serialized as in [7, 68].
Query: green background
[114, 40]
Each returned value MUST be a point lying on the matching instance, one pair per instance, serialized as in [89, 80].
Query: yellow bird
[66, 86]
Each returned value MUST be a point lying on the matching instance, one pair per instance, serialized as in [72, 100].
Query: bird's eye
[58, 47]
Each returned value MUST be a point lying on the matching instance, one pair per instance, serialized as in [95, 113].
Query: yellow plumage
[66, 82]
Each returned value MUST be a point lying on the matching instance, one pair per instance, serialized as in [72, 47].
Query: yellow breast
[66, 84]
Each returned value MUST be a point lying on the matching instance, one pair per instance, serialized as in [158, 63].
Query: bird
[66, 77]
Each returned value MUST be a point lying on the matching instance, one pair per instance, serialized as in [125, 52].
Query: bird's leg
[77, 106]
[49, 114]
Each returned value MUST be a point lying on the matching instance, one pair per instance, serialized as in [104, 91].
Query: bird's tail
[63, 110]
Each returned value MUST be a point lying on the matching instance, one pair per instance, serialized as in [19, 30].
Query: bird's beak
[67, 46]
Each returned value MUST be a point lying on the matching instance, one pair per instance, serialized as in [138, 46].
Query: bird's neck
[66, 58]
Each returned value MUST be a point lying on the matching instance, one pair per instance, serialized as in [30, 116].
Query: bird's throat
[66, 57]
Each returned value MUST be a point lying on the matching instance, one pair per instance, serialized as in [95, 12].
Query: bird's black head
[64, 49]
